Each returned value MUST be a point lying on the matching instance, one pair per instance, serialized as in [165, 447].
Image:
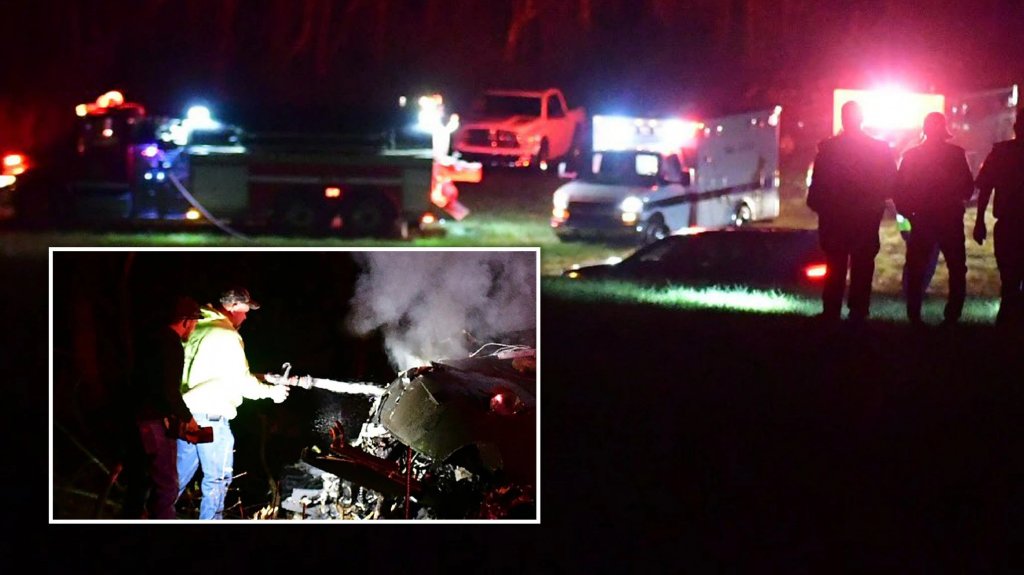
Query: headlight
[560, 200]
[7, 180]
[632, 204]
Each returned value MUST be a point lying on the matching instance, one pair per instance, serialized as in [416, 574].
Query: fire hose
[309, 382]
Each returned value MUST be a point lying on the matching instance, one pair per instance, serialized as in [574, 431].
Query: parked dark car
[758, 258]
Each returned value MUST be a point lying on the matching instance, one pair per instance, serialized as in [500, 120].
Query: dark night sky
[317, 64]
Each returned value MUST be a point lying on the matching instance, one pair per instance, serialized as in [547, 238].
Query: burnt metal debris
[455, 439]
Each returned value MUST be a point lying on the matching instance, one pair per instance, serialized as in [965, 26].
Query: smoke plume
[433, 305]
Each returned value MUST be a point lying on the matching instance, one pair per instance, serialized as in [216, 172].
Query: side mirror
[683, 179]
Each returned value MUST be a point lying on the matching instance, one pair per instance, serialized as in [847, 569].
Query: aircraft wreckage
[455, 439]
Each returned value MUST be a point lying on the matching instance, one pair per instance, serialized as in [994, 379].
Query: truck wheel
[742, 216]
[655, 230]
[543, 156]
[568, 237]
[369, 215]
[299, 215]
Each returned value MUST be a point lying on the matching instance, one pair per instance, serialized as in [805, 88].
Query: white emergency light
[619, 133]
[431, 112]
[200, 118]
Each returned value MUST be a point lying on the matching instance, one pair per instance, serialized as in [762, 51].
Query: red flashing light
[111, 99]
[14, 165]
[444, 193]
[332, 192]
[816, 271]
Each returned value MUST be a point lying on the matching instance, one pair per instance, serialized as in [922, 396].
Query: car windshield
[621, 168]
[495, 105]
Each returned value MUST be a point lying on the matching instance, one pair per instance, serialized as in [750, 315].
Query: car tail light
[816, 271]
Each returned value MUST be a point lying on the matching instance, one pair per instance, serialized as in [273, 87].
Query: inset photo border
[374, 385]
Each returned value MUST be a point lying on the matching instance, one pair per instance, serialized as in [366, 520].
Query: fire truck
[133, 168]
[647, 178]
[977, 119]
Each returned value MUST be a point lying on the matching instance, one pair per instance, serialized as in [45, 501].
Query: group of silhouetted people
[855, 176]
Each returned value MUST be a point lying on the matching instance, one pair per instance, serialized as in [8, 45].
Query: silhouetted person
[150, 470]
[933, 185]
[1003, 173]
[853, 176]
[903, 226]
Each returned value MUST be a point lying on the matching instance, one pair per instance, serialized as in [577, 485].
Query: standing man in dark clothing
[852, 178]
[151, 472]
[932, 188]
[1003, 172]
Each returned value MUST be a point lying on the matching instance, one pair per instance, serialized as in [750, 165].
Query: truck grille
[491, 138]
[594, 213]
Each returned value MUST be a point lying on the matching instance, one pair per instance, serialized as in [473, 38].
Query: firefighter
[1002, 173]
[933, 186]
[853, 176]
[150, 472]
[215, 380]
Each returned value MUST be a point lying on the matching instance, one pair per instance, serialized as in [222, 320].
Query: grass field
[509, 214]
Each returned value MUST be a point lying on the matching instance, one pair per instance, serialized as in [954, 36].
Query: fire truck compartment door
[223, 189]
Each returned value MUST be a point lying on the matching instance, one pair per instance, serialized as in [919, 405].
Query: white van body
[727, 174]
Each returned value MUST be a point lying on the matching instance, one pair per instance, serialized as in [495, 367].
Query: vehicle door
[672, 193]
[559, 130]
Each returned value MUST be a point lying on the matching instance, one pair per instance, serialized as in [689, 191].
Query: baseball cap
[185, 308]
[238, 295]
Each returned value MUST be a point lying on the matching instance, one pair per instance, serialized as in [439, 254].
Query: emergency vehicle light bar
[617, 133]
[111, 99]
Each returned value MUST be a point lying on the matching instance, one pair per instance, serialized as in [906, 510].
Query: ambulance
[647, 178]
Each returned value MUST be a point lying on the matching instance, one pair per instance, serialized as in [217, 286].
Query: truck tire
[369, 215]
[742, 216]
[299, 214]
[655, 230]
[543, 157]
[568, 237]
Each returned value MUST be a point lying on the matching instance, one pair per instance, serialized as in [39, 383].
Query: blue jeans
[216, 459]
